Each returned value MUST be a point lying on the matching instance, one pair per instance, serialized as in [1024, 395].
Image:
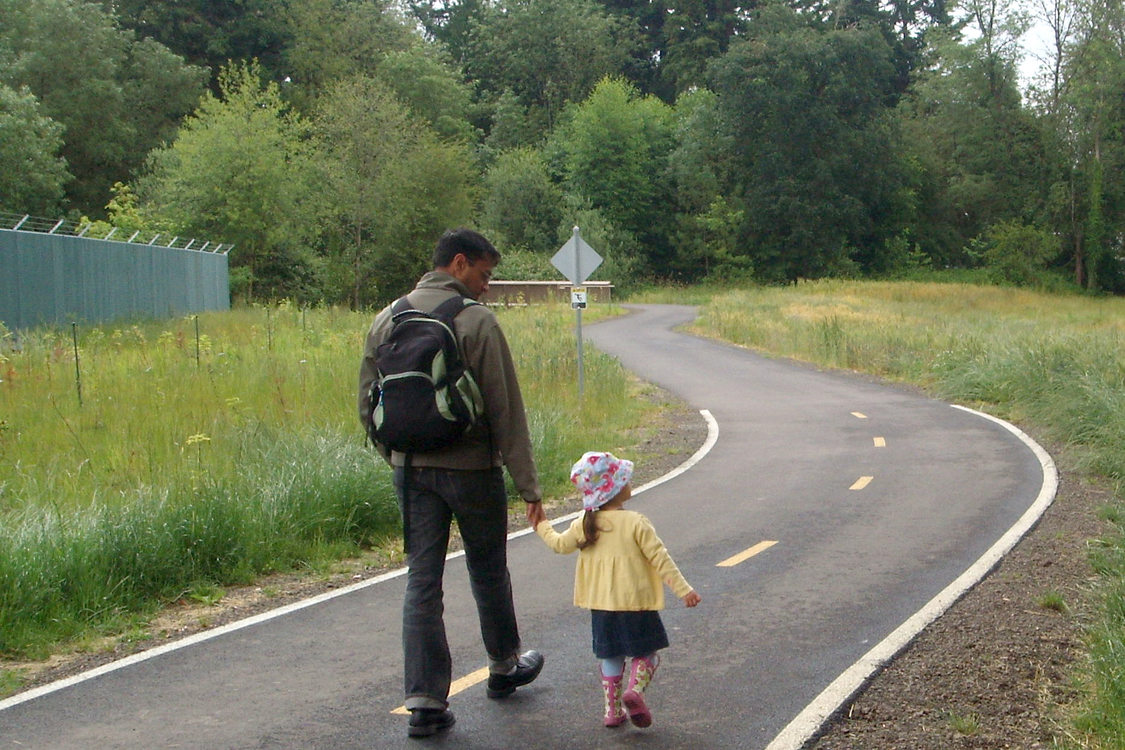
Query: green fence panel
[49, 279]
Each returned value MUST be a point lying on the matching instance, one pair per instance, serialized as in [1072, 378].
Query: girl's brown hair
[589, 529]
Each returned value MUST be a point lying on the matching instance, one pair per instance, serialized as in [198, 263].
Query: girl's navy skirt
[627, 633]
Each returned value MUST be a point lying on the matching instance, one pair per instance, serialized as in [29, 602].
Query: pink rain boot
[634, 698]
[614, 713]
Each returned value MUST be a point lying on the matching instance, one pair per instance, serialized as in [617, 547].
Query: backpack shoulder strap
[449, 309]
[400, 306]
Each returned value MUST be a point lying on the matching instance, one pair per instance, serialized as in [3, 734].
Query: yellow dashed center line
[481, 675]
[456, 687]
[730, 562]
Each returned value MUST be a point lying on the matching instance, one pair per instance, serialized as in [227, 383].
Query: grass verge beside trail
[1053, 362]
[190, 454]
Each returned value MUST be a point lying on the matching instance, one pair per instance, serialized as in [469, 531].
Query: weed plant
[174, 461]
[1053, 361]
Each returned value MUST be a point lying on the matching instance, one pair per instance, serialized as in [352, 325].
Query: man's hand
[691, 599]
[535, 514]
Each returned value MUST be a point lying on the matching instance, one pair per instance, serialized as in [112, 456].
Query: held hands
[691, 599]
[535, 514]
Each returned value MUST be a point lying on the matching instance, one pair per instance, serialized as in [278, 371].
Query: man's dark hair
[472, 245]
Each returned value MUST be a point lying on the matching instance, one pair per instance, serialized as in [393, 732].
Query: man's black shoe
[527, 669]
[428, 721]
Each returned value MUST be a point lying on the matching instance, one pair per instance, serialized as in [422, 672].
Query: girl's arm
[658, 557]
[563, 543]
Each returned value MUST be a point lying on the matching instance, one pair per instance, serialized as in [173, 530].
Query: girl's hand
[691, 599]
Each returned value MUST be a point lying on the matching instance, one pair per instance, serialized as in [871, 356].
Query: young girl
[621, 564]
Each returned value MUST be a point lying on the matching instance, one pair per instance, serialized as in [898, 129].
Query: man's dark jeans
[478, 500]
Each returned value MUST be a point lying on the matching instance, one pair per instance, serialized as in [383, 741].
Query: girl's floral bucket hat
[600, 476]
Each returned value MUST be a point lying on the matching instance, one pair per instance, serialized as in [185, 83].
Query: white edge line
[708, 444]
[808, 723]
[152, 653]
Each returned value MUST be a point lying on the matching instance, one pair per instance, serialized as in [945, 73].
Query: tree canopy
[332, 140]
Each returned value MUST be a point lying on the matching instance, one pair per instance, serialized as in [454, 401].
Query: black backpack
[424, 397]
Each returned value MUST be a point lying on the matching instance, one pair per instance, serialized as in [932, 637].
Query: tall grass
[176, 459]
[1055, 362]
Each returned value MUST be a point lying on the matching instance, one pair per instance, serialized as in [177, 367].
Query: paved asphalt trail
[849, 565]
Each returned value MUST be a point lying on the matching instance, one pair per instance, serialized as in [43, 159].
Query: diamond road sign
[576, 260]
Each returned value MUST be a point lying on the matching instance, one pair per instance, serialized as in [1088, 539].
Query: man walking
[464, 481]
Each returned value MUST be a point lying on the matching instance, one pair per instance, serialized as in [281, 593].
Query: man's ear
[459, 263]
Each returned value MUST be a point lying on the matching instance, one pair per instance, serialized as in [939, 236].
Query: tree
[676, 40]
[391, 185]
[1060, 16]
[239, 172]
[909, 24]
[522, 206]
[999, 26]
[450, 23]
[1095, 130]
[980, 156]
[335, 40]
[547, 52]
[422, 80]
[159, 91]
[616, 149]
[32, 174]
[332, 40]
[707, 222]
[512, 125]
[1017, 253]
[645, 20]
[209, 34]
[813, 151]
[695, 32]
[115, 97]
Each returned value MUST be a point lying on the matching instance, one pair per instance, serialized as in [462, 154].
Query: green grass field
[173, 461]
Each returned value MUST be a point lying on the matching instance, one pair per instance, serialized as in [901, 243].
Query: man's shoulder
[475, 318]
[480, 312]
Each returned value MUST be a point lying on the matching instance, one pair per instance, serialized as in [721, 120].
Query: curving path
[828, 513]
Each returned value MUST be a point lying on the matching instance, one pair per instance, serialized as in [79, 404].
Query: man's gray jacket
[503, 438]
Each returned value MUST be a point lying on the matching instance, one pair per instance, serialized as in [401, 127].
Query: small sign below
[578, 298]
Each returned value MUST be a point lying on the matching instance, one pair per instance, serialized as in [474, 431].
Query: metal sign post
[576, 261]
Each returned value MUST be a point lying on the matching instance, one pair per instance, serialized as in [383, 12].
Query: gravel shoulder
[998, 670]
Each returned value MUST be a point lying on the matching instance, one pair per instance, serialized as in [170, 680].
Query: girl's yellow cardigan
[622, 571]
